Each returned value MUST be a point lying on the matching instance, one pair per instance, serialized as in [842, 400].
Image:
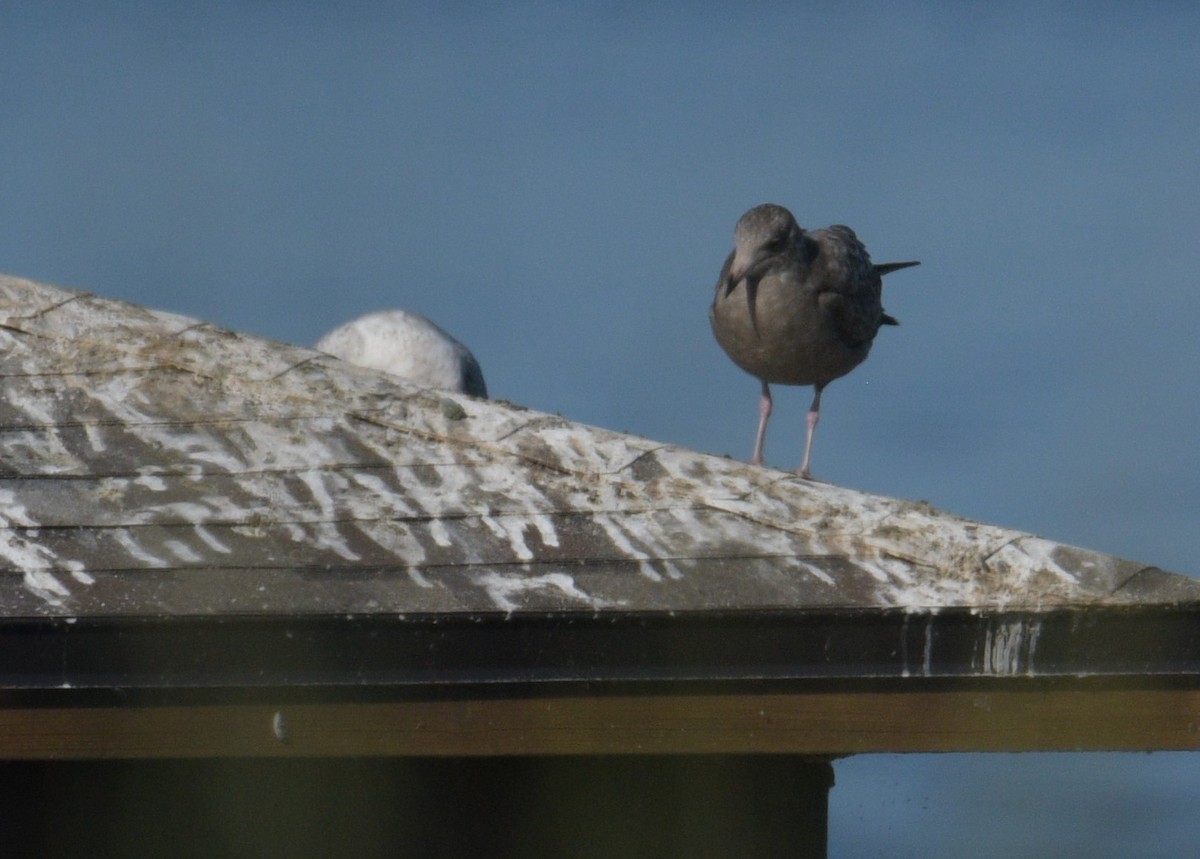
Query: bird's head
[761, 235]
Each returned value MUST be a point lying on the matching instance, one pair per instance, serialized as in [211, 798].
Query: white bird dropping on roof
[407, 345]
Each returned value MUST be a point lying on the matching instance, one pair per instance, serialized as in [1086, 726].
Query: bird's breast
[778, 331]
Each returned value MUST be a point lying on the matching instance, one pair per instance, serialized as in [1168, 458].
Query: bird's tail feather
[889, 267]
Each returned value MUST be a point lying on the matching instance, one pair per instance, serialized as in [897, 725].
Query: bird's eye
[777, 244]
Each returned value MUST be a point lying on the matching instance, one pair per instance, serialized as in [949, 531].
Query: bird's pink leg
[764, 415]
[814, 415]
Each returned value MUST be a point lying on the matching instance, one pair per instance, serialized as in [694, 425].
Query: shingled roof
[153, 463]
[159, 468]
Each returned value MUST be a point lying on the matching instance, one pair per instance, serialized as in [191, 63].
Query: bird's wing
[854, 323]
[848, 285]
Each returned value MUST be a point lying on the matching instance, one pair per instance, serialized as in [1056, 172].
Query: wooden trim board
[821, 724]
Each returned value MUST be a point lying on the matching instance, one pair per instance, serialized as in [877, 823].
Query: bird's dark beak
[743, 268]
[748, 270]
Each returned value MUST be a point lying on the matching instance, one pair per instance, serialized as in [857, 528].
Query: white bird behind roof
[408, 345]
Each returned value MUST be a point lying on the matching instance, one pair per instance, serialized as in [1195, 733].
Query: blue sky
[558, 188]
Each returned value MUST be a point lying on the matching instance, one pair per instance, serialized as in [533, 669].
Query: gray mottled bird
[797, 307]
[408, 345]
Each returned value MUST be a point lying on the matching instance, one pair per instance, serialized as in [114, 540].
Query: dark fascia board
[349, 658]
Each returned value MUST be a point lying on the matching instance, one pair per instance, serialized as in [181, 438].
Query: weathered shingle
[151, 465]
